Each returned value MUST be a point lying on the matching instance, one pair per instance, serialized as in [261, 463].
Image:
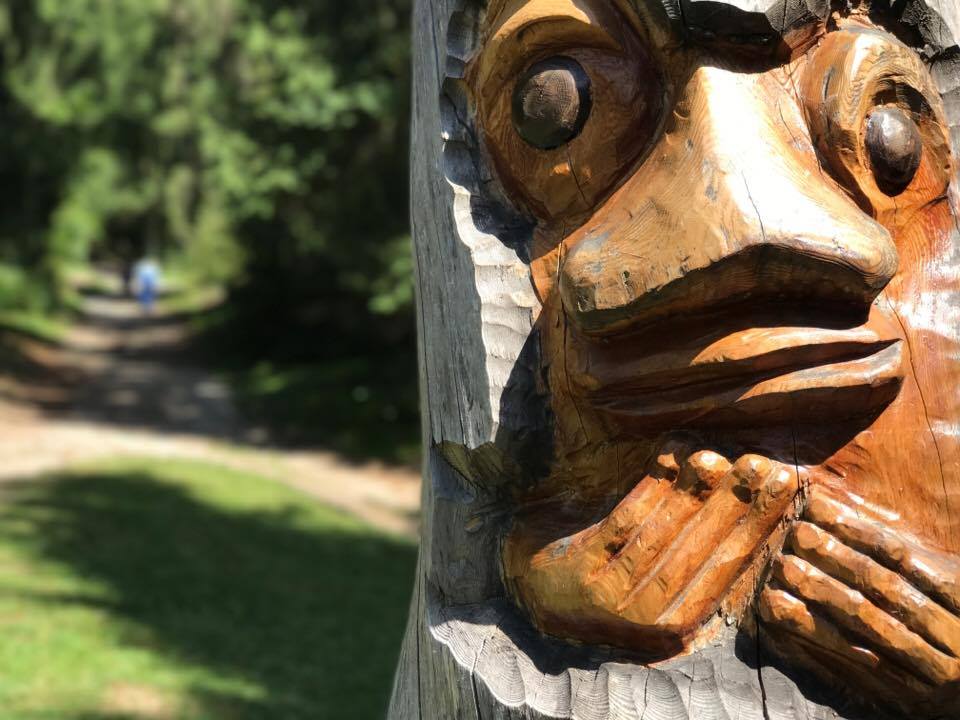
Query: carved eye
[551, 102]
[598, 99]
[895, 147]
[877, 118]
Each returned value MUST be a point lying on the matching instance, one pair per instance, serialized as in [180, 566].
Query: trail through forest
[121, 384]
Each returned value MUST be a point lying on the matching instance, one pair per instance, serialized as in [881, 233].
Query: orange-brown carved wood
[740, 227]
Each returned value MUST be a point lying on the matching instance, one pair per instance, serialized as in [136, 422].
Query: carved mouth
[757, 377]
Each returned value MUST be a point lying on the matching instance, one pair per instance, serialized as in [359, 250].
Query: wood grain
[609, 327]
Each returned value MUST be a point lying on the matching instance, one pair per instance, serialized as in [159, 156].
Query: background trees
[257, 144]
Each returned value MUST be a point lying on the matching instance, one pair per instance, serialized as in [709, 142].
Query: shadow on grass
[310, 612]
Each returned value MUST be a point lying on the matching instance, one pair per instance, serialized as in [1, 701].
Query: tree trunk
[470, 651]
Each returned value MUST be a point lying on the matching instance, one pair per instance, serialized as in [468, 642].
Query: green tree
[213, 127]
[260, 143]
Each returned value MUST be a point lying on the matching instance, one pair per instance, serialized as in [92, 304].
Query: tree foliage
[261, 140]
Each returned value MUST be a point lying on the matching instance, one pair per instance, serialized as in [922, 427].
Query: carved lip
[754, 377]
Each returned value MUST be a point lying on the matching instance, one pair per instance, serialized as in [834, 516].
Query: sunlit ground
[141, 590]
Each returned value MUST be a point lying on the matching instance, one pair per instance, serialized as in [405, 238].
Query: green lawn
[167, 590]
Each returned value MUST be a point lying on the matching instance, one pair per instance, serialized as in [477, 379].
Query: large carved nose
[731, 206]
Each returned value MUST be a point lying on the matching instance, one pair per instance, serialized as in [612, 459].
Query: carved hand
[654, 571]
[851, 590]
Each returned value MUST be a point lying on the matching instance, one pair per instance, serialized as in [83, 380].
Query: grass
[141, 590]
[43, 327]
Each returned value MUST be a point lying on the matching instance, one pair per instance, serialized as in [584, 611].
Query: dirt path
[126, 392]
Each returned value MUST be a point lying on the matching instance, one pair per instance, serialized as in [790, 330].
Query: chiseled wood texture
[522, 675]
[770, 22]
[491, 352]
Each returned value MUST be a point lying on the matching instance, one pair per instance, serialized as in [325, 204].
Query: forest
[254, 145]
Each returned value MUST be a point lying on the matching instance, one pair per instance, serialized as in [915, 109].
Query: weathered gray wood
[762, 20]
[939, 23]
[936, 22]
[467, 652]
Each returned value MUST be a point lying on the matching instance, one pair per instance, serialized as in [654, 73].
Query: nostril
[871, 253]
[886, 265]
[843, 237]
[587, 273]
[620, 274]
[583, 302]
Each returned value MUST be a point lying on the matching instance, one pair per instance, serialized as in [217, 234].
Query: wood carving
[690, 294]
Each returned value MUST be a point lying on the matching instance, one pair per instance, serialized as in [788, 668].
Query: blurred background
[208, 396]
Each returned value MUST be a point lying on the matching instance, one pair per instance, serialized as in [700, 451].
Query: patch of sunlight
[152, 589]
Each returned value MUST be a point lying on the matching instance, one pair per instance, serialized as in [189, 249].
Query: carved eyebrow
[522, 30]
[535, 22]
[762, 24]
[511, 15]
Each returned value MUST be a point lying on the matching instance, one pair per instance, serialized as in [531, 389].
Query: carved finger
[658, 583]
[785, 612]
[933, 573]
[733, 555]
[850, 610]
[787, 618]
[882, 586]
[643, 500]
[702, 473]
[655, 524]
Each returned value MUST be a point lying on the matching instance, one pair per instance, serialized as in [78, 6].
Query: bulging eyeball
[895, 147]
[551, 102]
[876, 116]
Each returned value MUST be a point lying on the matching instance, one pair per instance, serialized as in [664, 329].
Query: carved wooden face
[747, 239]
[743, 243]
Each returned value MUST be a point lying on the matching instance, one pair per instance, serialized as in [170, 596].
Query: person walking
[147, 282]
